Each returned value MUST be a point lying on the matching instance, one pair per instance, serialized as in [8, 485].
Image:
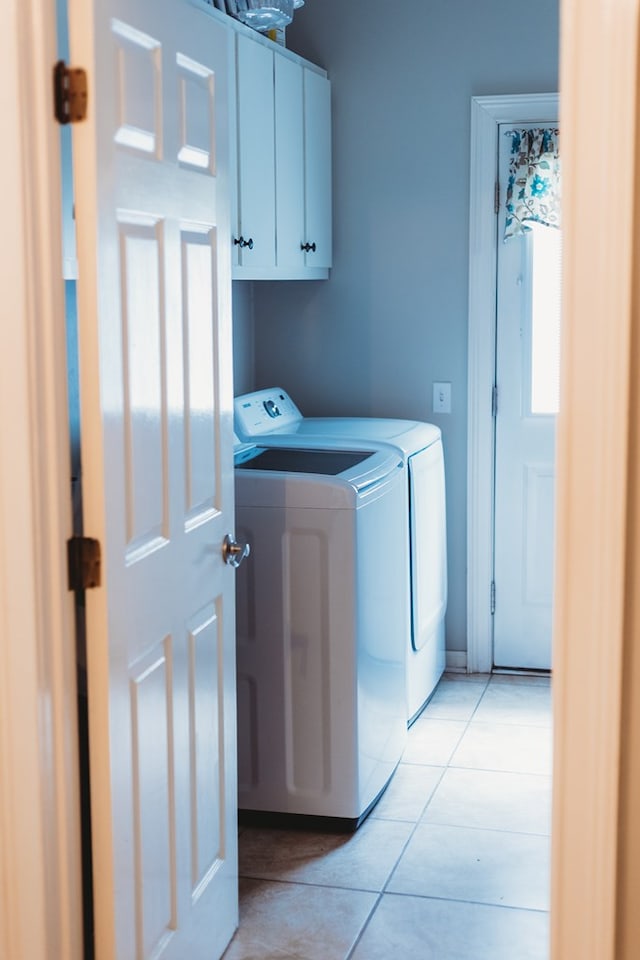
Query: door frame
[487, 113]
[40, 874]
[598, 546]
[599, 53]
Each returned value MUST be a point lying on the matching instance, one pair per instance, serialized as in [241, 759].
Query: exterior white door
[527, 378]
[151, 176]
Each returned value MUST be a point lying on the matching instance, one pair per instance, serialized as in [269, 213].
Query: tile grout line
[466, 826]
[477, 903]
[516, 773]
[393, 868]
[445, 767]
[448, 765]
[363, 928]
[383, 891]
[451, 766]
[309, 883]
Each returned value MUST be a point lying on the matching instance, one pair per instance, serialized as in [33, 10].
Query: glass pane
[545, 319]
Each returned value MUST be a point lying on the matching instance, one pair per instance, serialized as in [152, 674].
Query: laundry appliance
[322, 609]
[273, 416]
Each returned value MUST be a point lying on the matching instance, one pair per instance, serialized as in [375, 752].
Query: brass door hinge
[83, 563]
[69, 93]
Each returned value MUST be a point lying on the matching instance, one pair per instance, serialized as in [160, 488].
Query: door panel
[144, 381]
[196, 114]
[199, 280]
[137, 59]
[539, 483]
[153, 799]
[205, 695]
[152, 175]
[525, 445]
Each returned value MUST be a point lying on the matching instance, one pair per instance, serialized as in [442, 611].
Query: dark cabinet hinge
[69, 93]
[84, 563]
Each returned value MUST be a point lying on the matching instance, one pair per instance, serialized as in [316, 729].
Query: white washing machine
[272, 414]
[321, 614]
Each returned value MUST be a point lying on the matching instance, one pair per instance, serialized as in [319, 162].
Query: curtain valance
[533, 191]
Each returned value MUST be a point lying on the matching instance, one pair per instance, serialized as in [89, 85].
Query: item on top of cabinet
[277, 34]
[297, 4]
[266, 14]
[219, 5]
[232, 7]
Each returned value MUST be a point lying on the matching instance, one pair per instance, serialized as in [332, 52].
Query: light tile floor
[453, 862]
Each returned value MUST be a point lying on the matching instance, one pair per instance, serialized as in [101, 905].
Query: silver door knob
[234, 553]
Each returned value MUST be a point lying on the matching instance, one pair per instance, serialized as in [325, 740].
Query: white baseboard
[456, 661]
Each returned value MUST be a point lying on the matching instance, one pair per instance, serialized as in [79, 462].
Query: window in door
[546, 299]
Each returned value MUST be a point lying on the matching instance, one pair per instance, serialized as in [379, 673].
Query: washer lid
[407, 435]
[312, 477]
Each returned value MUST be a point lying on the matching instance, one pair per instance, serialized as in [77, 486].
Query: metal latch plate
[70, 93]
[84, 563]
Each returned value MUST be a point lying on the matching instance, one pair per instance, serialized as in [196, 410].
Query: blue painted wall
[243, 337]
[393, 316]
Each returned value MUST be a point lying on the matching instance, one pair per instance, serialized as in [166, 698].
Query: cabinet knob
[242, 243]
[308, 247]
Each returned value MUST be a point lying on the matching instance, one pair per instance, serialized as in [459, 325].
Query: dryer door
[428, 543]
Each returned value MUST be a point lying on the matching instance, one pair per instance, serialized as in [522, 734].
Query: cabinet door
[290, 205]
[256, 160]
[317, 136]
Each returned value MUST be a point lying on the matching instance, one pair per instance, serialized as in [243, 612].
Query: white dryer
[271, 414]
[321, 615]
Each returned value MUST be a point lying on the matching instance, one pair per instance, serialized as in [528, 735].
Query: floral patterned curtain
[533, 191]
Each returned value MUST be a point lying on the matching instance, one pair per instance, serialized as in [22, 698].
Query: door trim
[594, 908]
[486, 115]
[40, 906]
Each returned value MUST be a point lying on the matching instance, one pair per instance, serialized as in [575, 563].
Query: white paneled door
[151, 169]
[527, 378]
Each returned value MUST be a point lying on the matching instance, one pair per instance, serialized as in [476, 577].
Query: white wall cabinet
[284, 166]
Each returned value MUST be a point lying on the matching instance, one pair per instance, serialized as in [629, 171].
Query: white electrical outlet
[442, 398]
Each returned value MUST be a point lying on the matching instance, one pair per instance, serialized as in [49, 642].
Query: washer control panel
[273, 410]
[265, 411]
